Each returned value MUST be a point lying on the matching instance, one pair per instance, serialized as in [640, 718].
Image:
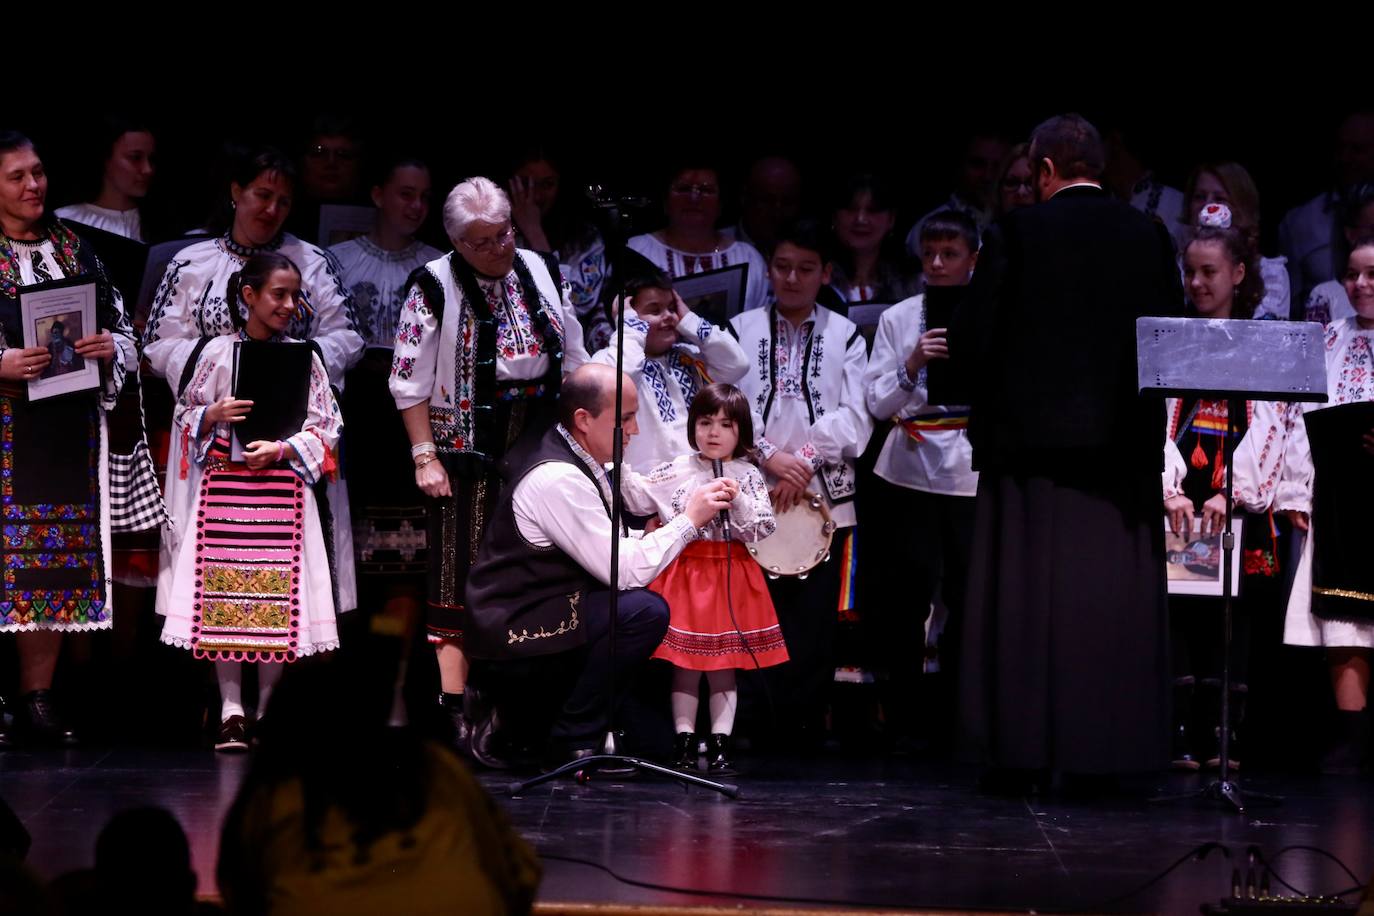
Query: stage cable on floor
[1257, 855]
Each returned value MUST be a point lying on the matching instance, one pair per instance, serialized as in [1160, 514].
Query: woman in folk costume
[1222, 281]
[54, 456]
[482, 343]
[250, 577]
[1327, 606]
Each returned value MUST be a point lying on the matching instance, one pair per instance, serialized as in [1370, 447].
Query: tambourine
[801, 541]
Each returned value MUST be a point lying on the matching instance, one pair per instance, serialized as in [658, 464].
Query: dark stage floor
[841, 829]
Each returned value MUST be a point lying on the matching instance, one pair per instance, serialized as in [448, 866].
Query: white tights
[723, 700]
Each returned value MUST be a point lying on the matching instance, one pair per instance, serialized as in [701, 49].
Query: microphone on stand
[718, 470]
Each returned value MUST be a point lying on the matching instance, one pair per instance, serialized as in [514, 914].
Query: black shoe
[233, 736]
[6, 739]
[684, 751]
[43, 724]
[460, 726]
[718, 756]
[476, 729]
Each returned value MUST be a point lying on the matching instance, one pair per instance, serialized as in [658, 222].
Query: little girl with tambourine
[722, 617]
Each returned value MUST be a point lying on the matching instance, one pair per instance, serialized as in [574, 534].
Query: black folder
[947, 382]
[275, 376]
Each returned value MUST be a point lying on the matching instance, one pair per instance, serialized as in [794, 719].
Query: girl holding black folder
[250, 578]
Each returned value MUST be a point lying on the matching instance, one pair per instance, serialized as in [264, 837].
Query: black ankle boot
[718, 751]
[684, 751]
[42, 722]
[1184, 755]
[460, 727]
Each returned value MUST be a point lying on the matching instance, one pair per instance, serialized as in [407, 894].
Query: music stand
[1237, 361]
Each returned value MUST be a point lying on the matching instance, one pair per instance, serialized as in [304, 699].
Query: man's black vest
[524, 600]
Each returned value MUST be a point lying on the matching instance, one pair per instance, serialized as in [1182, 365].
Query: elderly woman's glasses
[495, 243]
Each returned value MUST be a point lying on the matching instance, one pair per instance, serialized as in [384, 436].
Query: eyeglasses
[495, 243]
[1015, 184]
[701, 190]
[340, 154]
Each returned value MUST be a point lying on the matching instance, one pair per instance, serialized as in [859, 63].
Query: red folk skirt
[701, 634]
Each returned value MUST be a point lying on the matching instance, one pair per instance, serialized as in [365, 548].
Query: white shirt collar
[1081, 183]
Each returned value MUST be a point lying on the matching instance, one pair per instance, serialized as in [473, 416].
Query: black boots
[41, 722]
[1349, 755]
[684, 755]
[718, 750]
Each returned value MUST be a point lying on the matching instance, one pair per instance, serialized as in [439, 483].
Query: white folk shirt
[667, 383]
[190, 304]
[941, 461]
[556, 505]
[807, 395]
[666, 489]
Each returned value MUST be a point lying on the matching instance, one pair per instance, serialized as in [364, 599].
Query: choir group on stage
[446, 468]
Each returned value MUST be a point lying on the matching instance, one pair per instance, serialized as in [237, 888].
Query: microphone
[719, 471]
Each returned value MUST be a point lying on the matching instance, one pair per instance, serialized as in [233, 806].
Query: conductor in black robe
[1065, 665]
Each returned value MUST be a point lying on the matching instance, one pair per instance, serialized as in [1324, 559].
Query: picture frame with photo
[866, 315]
[1193, 564]
[55, 316]
[716, 295]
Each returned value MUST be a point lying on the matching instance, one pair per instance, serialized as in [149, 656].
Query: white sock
[268, 675]
[724, 698]
[684, 699]
[230, 677]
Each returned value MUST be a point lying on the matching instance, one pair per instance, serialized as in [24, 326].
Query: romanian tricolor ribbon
[915, 426]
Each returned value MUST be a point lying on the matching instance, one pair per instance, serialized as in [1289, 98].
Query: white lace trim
[301, 652]
[34, 626]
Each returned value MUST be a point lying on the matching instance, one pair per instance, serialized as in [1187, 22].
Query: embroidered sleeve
[724, 357]
[751, 514]
[843, 432]
[171, 333]
[1259, 457]
[574, 347]
[585, 277]
[311, 452]
[188, 419]
[636, 331]
[639, 490]
[414, 361]
[125, 360]
[766, 449]
[888, 390]
[1294, 488]
[333, 326]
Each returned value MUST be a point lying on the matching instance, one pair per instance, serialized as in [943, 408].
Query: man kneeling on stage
[537, 595]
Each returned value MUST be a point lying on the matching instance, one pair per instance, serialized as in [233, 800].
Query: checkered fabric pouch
[136, 502]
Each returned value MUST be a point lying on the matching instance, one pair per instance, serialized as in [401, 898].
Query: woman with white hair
[482, 343]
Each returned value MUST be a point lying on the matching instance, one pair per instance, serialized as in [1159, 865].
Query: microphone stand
[615, 230]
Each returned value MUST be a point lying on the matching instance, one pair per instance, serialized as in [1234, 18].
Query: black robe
[1065, 661]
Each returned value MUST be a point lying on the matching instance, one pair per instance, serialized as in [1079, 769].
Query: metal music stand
[1237, 361]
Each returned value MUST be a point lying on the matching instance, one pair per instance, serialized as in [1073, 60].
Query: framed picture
[1193, 563]
[866, 315]
[56, 315]
[342, 222]
[716, 295]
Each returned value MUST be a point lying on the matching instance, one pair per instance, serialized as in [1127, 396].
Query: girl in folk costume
[1327, 606]
[250, 580]
[705, 632]
[1222, 282]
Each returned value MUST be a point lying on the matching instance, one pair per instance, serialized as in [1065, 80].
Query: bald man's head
[586, 405]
